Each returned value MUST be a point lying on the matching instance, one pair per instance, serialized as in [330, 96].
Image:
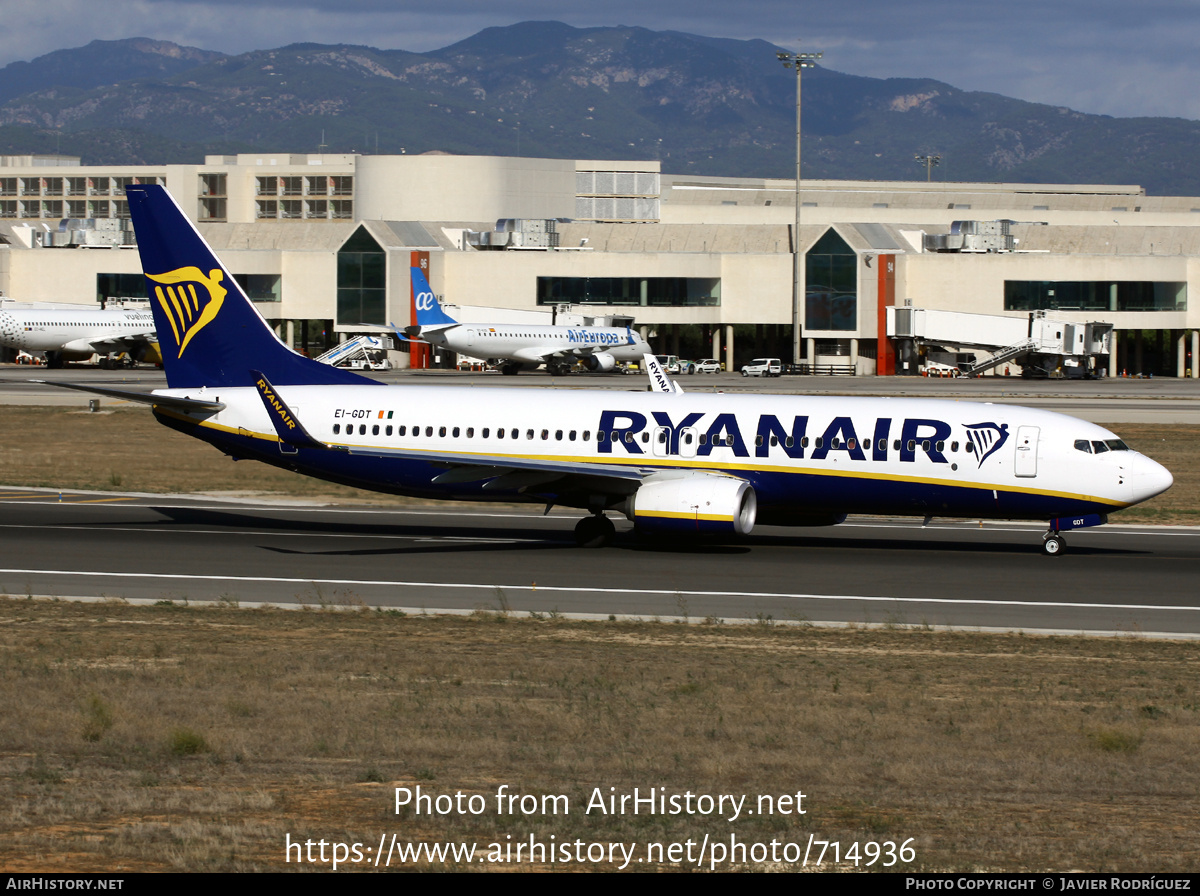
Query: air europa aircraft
[517, 347]
[672, 462]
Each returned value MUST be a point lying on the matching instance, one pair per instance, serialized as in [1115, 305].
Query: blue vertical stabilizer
[209, 333]
[430, 315]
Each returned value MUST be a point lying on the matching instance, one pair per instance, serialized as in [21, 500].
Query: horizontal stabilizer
[187, 405]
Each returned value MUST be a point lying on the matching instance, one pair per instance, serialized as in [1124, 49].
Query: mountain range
[706, 105]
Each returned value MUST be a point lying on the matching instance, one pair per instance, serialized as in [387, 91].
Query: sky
[1110, 57]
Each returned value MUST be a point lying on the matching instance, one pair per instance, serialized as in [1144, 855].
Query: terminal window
[641, 291]
[1094, 295]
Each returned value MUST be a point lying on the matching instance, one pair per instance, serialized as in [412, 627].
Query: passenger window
[429, 432]
[941, 446]
[912, 444]
[558, 435]
[337, 428]
[442, 431]
[851, 443]
[572, 435]
[834, 443]
[400, 430]
[645, 437]
[703, 438]
[375, 430]
[882, 446]
[774, 441]
[362, 429]
[969, 447]
[485, 433]
[954, 446]
[896, 445]
[499, 433]
[587, 434]
[820, 441]
[513, 433]
[787, 443]
[758, 440]
[545, 434]
[455, 432]
[388, 430]
[470, 432]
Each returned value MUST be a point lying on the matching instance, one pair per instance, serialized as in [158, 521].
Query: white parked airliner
[679, 463]
[517, 347]
[70, 333]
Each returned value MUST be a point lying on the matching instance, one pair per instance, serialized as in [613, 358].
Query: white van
[763, 367]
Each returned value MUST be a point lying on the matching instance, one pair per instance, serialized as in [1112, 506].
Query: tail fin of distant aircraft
[430, 316]
[209, 333]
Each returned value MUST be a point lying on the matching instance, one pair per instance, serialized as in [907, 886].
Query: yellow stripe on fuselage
[657, 463]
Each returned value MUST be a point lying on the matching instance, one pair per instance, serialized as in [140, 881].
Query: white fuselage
[83, 332]
[856, 455]
[536, 344]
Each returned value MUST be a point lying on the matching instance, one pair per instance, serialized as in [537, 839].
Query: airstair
[358, 352]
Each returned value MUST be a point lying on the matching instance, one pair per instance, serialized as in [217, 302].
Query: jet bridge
[1043, 347]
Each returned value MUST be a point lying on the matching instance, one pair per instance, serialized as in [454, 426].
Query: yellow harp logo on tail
[188, 309]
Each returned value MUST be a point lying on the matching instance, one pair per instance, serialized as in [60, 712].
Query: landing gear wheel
[1053, 544]
[509, 370]
[594, 531]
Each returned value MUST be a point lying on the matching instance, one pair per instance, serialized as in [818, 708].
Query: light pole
[798, 61]
[929, 161]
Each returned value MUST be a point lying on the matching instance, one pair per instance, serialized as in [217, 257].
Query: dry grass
[182, 738]
[127, 450]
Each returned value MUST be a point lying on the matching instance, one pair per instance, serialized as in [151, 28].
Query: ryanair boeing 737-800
[672, 462]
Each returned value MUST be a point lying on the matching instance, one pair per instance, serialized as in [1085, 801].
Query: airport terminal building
[703, 265]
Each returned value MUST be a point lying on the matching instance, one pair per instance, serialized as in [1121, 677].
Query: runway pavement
[1130, 580]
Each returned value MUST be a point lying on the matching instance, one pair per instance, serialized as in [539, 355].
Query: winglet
[287, 425]
[659, 381]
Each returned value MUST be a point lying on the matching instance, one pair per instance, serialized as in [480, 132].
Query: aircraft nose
[1150, 478]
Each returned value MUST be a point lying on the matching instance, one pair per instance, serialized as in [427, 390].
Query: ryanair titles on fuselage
[839, 435]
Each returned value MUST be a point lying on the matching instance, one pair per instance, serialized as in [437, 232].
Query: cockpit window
[1116, 445]
[1083, 445]
[1099, 447]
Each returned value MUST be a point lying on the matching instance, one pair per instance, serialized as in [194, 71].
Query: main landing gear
[1053, 544]
[594, 531]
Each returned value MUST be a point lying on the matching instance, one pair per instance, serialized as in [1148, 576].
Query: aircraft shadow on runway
[436, 538]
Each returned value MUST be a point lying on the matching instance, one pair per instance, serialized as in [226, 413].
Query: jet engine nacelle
[601, 362]
[693, 504]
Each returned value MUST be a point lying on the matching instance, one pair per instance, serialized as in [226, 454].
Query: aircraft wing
[113, 342]
[521, 473]
[536, 354]
[504, 472]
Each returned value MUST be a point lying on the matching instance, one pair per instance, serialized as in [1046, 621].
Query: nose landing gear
[1053, 544]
